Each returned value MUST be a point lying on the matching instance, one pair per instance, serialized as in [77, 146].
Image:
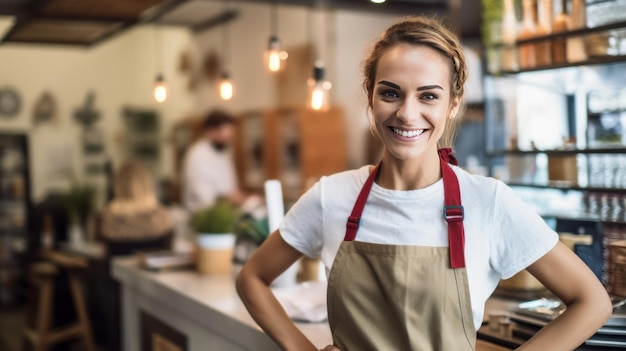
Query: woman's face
[411, 100]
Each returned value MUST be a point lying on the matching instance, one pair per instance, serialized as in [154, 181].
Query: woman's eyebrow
[389, 84]
[425, 87]
[428, 87]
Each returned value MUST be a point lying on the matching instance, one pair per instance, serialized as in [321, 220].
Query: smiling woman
[415, 245]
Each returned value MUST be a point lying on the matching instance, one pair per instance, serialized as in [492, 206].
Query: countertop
[210, 300]
[213, 301]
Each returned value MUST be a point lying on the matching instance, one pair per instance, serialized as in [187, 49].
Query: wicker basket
[616, 268]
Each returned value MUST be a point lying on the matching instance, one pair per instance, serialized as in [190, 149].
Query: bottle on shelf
[543, 49]
[560, 24]
[509, 34]
[526, 52]
[576, 50]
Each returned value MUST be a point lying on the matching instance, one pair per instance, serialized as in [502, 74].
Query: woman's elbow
[604, 307]
[241, 282]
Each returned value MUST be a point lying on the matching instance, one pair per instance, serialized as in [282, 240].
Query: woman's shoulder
[477, 183]
[357, 175]
[338, 185]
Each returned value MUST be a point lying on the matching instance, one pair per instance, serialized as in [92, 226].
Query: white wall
[121, 72]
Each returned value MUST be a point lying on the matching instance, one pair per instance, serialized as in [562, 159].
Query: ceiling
[89, 22]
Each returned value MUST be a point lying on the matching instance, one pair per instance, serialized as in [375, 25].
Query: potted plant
[78, 202]
[215, 238]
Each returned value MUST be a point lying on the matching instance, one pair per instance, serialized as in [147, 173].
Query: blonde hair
[419, 30]
[134, 189]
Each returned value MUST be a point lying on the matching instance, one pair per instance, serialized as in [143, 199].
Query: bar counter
[196, 312]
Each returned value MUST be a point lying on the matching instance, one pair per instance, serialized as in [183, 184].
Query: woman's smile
[407, 134]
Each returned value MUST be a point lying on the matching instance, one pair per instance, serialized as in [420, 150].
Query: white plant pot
[215, 253]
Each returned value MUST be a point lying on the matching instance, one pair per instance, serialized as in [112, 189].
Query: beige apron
[395, 297]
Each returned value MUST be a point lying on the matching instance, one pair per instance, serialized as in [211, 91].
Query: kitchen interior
[87, 85]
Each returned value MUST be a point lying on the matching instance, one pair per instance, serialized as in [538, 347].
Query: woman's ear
[454, 107]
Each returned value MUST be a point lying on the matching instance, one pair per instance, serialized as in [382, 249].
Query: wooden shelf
[565, 186]
[613, 150]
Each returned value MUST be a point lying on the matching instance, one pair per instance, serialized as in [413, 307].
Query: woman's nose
[408, 112]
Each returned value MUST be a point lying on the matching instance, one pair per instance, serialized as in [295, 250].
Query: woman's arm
[588, 304]
[270, 260]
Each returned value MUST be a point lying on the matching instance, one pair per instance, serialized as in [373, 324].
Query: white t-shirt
[208, 174]
[503, 235]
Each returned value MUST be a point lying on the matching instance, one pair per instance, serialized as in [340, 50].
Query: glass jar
[559, 25]
[509, 33]
[526, 52]
[543, 49]
[576, 49]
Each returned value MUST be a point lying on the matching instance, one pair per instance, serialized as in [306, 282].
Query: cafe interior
[88, 86]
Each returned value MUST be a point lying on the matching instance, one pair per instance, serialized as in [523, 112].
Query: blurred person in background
[135, 213]
[208, 169]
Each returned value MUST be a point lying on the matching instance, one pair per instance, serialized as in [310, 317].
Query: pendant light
[160, 88]
[226, 87]
[273, 56]
[319, 87]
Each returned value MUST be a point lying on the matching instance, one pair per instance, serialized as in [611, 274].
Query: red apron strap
[353, 221]
[453, 210]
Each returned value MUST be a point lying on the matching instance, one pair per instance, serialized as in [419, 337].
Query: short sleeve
[302, 226]
[518, 235]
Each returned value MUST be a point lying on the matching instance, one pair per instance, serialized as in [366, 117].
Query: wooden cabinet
[294, 145]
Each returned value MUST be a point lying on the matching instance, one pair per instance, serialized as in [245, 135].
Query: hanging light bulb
[318, 89]
[377, 1]
[226, 87]
[160, 89]
[273, 55]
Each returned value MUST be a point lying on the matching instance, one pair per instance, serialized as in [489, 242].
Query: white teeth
[408, 133]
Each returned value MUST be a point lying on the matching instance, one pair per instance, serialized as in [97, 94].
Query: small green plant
[252, 229]
[78, 202]
[217, 219]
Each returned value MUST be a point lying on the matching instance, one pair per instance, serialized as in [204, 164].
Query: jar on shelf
[526, 52]
[576, 48]
[543, 49]
[560, 25]
[509, 33]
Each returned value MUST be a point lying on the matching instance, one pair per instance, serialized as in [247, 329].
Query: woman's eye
[429, 96]
[389, 94]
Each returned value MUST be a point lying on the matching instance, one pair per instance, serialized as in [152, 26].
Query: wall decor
[10, 102]
[45, 109]
[87, 115]
[142, 132]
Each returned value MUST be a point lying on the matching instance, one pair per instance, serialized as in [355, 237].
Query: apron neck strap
[353, 221]
[452, 211]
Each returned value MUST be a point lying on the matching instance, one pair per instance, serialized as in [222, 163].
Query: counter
[204, 312]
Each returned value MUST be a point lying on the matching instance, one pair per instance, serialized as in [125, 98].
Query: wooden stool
[43, 336]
